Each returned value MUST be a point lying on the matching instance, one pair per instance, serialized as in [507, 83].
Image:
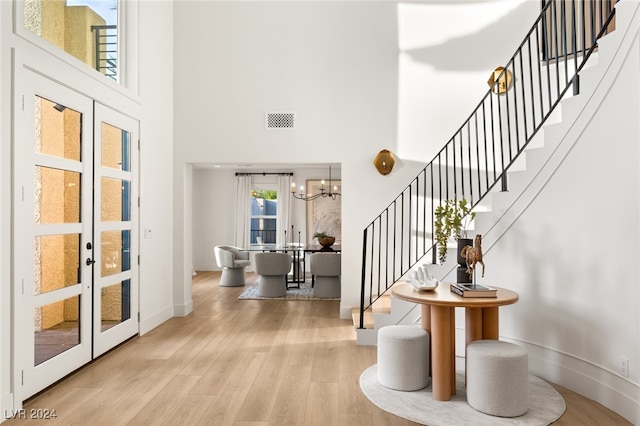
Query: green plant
[266, 194]
[321, 235]
[452, 219]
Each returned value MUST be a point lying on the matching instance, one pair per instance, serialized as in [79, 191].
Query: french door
[76, 230]
[115, 234]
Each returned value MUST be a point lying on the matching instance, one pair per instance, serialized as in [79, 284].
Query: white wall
[156, 165]
[213, 209]
[438, 88]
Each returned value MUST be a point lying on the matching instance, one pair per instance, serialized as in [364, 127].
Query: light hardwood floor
[240, 362]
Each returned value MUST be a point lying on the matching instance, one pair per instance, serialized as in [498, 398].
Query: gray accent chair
[326, 269]
[273, 269]
[233, 261]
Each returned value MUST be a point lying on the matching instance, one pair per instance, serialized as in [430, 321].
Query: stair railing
[524, 94]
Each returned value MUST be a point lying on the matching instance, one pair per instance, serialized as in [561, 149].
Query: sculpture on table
[473, 255]
[421, 279]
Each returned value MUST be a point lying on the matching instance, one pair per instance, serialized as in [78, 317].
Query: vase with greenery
[452, 220]
[324, 239]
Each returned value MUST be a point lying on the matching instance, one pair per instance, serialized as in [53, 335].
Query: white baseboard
[148, 324]
[345, 312]
[183, 310]
[8, 409]
[593, 381]
[207, 267]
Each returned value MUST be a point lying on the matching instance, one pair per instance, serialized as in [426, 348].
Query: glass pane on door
[57, 262]
[58, 130]
[57, 196]
[116, 148]
[116, 252]
[116, 200]
[115, 302]
[57, 328]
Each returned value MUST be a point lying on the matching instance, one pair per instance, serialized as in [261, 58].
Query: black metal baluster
[446, 164]
[386, 248]
[424, 214]
[563, 26]
[531, 85]
[470, 168]
[554, 16]
[478, 155]
[524, 102]
[500, 130]
[395, 229]
[493, 137]
[486, 153]
[515, 106]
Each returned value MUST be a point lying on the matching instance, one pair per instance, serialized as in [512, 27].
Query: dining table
[298, 252]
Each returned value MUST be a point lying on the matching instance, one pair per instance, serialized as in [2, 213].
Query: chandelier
[332, 191]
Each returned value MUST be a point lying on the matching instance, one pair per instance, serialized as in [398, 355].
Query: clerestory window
[86, 29]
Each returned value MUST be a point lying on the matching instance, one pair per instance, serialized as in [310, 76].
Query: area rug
[546, 405]
[305, 292]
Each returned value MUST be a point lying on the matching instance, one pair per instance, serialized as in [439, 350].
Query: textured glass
[58, 130]
[57, 262]
[57, 196]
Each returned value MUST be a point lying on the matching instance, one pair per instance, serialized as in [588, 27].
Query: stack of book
[472, 290]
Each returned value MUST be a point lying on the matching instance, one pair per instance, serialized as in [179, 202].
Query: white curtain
[284, 208]
[243, 210]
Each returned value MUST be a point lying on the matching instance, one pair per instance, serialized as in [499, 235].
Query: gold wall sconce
[504, 80]
[384, 162]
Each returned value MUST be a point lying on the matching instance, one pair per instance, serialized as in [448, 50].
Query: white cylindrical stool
[498, 378]
[403, 357]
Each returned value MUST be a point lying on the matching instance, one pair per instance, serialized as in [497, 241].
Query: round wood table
[438, 318]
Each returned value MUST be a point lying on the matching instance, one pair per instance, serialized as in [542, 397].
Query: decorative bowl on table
[326, 241]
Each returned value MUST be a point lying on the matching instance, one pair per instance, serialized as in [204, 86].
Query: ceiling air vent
[280, 120]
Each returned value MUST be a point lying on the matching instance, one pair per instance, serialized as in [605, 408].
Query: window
[264, 219]
[86, 29]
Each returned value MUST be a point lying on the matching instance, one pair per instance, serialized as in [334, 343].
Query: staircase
[533, 152]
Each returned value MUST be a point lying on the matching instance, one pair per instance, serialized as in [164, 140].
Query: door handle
[90, 261]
